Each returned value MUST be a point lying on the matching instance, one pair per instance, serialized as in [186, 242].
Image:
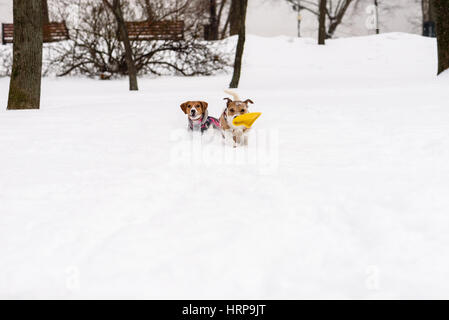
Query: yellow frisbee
[246, 119]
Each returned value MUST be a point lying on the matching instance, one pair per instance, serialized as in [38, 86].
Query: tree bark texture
[213, 20]
[45, 14]
[25, 82]
[441, 12]
[234, 17]
[240, 45]
[322, 23]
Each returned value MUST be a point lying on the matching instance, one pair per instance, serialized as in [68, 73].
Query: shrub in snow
[95, 50]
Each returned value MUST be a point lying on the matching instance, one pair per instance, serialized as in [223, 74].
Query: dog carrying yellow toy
[246, 119]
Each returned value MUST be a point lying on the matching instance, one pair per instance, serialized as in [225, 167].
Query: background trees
[96, 51]
[98, 45]
[25, 83]
[334, 12]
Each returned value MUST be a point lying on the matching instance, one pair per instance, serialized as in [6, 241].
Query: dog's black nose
[192, 112]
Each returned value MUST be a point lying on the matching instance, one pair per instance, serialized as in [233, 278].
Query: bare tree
[441, 11]
[240, 43]
[336, 16]
[25, 83]
[322, 23]
[94, 49]
[335, 11]
[116, 8]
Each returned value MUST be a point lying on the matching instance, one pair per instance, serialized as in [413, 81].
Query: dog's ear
[228, 101]
[184, 106]
[204, 105]
[248, 100]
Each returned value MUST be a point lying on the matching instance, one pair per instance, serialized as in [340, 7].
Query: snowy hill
[342, 192]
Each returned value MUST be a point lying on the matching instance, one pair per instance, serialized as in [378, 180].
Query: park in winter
[224, 149]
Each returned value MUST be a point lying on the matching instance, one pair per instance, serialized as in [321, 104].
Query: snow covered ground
[342, 192]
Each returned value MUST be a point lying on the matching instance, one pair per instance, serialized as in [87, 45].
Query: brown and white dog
[234, 109]
[197, 114]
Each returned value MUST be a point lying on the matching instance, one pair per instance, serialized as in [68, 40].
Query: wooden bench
[52, 32]
[160, 30]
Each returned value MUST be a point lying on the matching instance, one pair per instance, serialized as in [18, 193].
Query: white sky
[275, 17]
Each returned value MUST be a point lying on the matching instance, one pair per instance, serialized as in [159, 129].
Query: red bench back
[52, 32]
[160, 30]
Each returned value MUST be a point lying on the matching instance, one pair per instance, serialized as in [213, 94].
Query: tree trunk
[45, 15]
[441, 12]
[322, 23]
[240, 45]
[213, 20]
[234, 17]
[116, 9]
[25, 83]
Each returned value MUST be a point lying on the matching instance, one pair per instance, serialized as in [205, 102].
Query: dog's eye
[231, 110]
[243, 110]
